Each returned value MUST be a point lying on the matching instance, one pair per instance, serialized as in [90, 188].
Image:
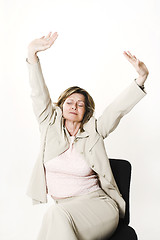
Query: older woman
[72, 166]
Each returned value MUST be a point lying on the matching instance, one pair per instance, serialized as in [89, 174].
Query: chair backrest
[122, 173]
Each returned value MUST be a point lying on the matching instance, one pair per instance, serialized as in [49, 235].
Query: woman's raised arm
[125, 101]
[41, 101]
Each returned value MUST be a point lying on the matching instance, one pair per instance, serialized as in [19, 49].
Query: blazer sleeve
[123, 104]
[42, 104]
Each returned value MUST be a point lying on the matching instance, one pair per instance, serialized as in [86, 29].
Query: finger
[134, 58]
[50, 38]
[51, 41]
[131, 57]
[54, 35]
[53, 38]
[49, 34]
[129, 53]
[138, 61]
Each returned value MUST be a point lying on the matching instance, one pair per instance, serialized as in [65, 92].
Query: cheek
[65, 109]
[82, 112]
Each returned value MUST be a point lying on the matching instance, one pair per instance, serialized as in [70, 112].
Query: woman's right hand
[41, 44]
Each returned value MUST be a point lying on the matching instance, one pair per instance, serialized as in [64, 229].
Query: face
[74, 107]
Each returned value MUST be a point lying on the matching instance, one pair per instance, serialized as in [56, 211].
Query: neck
[72, 127]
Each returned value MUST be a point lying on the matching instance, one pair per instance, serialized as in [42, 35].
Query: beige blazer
[89, 143]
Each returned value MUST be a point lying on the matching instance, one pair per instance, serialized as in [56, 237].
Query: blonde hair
[89, 102]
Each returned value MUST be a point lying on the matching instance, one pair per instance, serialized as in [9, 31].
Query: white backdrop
[89, 53]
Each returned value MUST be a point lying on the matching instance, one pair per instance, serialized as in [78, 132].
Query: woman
[72, 166]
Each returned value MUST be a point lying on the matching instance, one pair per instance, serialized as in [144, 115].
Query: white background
[89, 53]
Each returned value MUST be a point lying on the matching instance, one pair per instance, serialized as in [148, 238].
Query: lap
[93, 215]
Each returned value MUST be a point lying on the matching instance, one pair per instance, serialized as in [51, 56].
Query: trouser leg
[57, 225]
[93, 219]
[89, 217]
[95, 215]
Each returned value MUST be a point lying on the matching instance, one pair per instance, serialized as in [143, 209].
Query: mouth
[73, 113]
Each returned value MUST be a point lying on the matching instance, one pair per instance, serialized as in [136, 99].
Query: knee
[116, 218]
[114, 221]
[115, 212]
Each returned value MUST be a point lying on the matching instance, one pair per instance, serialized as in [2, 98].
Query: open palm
[43, 43]
[137, 64]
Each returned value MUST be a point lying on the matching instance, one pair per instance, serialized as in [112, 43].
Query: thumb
[138, 62]
[42, 37]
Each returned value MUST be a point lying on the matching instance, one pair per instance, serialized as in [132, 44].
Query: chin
[73, 118]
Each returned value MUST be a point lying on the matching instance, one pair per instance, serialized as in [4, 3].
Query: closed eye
[81, 105]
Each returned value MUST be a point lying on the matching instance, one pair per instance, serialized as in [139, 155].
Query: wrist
[140, 85]
[32, 57]
[141, 80]
[31, 50]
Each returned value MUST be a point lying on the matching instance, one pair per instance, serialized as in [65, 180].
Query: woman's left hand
[139, 66]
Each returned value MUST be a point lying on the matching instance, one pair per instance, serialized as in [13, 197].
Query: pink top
[69, 175]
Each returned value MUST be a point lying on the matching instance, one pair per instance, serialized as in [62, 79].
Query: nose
[74, 106]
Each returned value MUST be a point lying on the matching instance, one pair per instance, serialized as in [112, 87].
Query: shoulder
[57, 114]
[91, 125]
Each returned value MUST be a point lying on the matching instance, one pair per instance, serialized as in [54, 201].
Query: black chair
[122, 172]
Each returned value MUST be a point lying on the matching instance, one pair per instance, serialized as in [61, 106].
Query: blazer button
[93, 166]
[104, 175]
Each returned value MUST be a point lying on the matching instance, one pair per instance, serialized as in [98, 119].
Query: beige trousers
[86, 217]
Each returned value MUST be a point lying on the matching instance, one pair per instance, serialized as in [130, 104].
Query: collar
[78, 135]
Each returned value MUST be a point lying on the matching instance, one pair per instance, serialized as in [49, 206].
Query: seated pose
[72, 166]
